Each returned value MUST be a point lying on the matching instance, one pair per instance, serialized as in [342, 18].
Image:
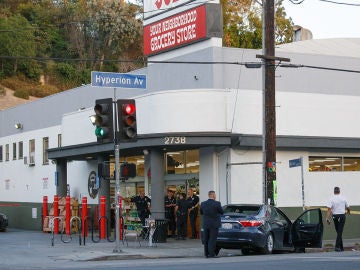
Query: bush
[21, 93]
[30, 69]
[12, 83]
[2, 91]
[43, 90]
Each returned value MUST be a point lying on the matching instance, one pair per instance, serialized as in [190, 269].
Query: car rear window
[251, 210]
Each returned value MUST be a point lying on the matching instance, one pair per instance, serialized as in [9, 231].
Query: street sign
[118, 80]
[295, 162]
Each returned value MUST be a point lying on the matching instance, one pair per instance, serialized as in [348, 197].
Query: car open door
[307, 230]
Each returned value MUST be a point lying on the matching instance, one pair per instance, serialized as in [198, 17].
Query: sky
[324, 19]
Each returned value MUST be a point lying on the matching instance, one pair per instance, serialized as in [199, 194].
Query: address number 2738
[174, 140]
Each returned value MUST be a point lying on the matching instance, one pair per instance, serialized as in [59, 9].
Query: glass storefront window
[333, 164]
[351, 164]
[182, 162]
[175, 162]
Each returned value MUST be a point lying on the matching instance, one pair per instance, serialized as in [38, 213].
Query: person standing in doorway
[181, 209]
[337, 206]
[193, 211]
[211, 212]
[142, 203]
[170, 203]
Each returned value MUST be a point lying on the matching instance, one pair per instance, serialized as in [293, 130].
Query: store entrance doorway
[183, 186]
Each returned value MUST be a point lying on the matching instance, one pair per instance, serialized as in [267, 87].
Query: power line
[318, 67]
[340, 3]
[298, 2]
[145, 61]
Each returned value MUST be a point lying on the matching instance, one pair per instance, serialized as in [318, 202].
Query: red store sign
[180, 29]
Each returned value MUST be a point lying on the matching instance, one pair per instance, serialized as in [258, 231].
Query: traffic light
[127, 120]
[104, 170]
[127, 170]
[103, 120]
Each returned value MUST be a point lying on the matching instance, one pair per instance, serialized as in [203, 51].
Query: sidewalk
[37, 248]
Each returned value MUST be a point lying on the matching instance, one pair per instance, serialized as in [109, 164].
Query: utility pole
[269, 112]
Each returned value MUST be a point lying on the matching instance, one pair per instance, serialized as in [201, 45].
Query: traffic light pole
[117, 248]
[117, 196]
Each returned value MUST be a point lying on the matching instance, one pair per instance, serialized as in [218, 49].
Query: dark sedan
[3, 222]
[265, 228]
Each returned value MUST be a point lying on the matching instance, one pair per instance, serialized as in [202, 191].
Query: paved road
[33, 250]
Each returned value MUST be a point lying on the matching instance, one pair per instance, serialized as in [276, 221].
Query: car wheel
[246, 251]
[269, 245]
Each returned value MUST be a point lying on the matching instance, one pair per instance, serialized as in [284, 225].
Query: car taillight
[250, 223]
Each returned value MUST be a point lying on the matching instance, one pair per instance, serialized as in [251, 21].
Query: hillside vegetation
[49, 46]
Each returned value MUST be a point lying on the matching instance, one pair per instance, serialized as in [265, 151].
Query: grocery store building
[199, 123]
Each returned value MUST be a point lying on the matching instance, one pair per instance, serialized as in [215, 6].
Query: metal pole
[302, 182]
[117, 196]
[117, 248]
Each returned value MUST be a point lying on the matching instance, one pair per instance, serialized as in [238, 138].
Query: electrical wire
[340, 3]
[296, 2]
[145, 61]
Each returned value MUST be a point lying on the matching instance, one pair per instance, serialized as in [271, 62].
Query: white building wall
[204, 110]
[20, 182]
[246, 179]
[318, 186]
[247, 185]
[78, 174]
[77, 127]
[240, 111]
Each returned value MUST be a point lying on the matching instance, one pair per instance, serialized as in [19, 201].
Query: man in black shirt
[182, 208]
[142, 203]
[170, 203]
[193, 211]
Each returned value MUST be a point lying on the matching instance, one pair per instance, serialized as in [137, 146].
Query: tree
[242, 20]
[16, 40]
[101, 29]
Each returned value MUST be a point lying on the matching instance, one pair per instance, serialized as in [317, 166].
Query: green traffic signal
[103, 120]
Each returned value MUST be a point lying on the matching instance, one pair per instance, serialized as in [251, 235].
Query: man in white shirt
[337, 207]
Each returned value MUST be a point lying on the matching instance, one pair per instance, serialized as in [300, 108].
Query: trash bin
[161, 228]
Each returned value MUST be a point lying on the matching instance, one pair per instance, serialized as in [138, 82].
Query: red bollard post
[44, 210]
[84, 230]
[67, 215]
[56, 214]
[102, 219]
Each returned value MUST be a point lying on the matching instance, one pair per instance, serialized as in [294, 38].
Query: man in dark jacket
[211, 211]
[181, 209]
[142, 203]
[170, 203]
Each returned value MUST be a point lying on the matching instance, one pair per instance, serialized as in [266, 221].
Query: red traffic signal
[127, 120]
[127, 170]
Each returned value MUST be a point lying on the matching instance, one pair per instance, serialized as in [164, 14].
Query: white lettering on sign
[182, 28]
[175, 140]
[111, 80]
[138, 81]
